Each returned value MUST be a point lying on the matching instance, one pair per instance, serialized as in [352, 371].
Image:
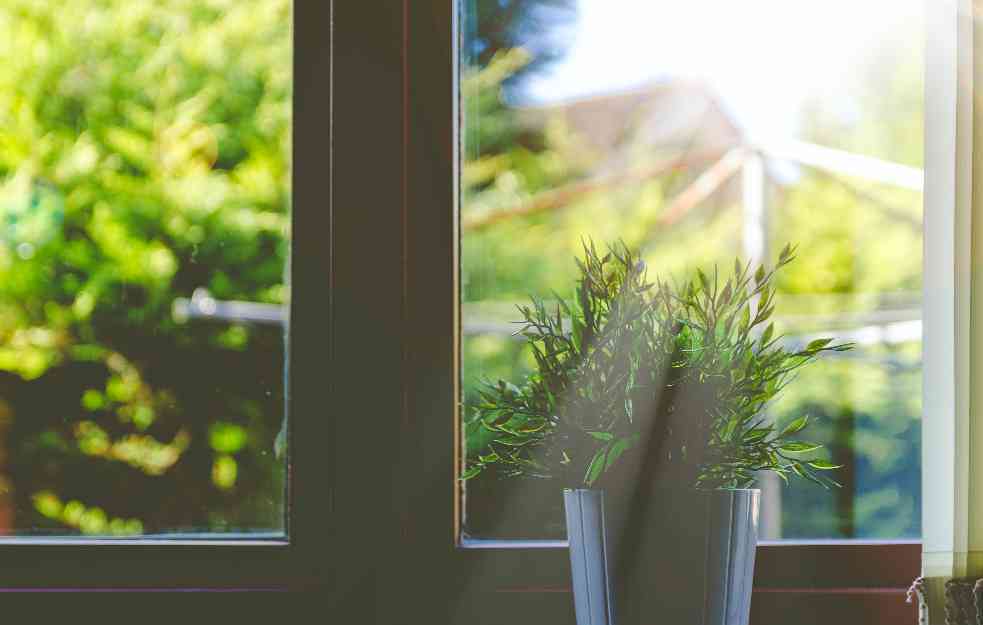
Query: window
[114, 172]
[686, 137]
[493, 580]
[146, 182]
[374, 375]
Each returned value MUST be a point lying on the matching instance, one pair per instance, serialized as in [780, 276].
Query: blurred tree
[539, 26]
[868, 414]
[144, 153]
[860, 249]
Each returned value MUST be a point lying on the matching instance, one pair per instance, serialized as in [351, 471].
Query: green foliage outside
[491, 26]
[144, 153]
[859, 249]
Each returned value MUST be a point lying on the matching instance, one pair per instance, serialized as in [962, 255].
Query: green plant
[673, 377]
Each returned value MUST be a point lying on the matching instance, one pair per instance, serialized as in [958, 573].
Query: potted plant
[646, 406]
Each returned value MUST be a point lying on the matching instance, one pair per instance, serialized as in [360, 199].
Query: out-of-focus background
[698, 132]
[144, 227]
[144, 231]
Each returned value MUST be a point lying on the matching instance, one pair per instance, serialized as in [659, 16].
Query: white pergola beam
[845, 163]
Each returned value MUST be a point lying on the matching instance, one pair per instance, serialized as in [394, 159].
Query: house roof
[666, 117]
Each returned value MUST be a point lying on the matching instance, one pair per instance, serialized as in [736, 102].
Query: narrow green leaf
[596, 467]
[617, 449]
[818, 344]
[786, 254]
[704, 281]
[799, 447]
[755, 434]
[745, 317]
[725, 294]
[531, 427]
[578, 334]
[764, 314]
[823, 465]
[766, 335]
[489, 458]
[795, 426]
[470, 473]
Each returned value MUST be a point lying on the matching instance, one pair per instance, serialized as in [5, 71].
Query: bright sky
[761, 56]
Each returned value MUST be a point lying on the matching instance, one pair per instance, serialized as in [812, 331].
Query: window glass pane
[144, 203]
[697, 133]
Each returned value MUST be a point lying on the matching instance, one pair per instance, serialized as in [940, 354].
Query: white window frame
[952, 426]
